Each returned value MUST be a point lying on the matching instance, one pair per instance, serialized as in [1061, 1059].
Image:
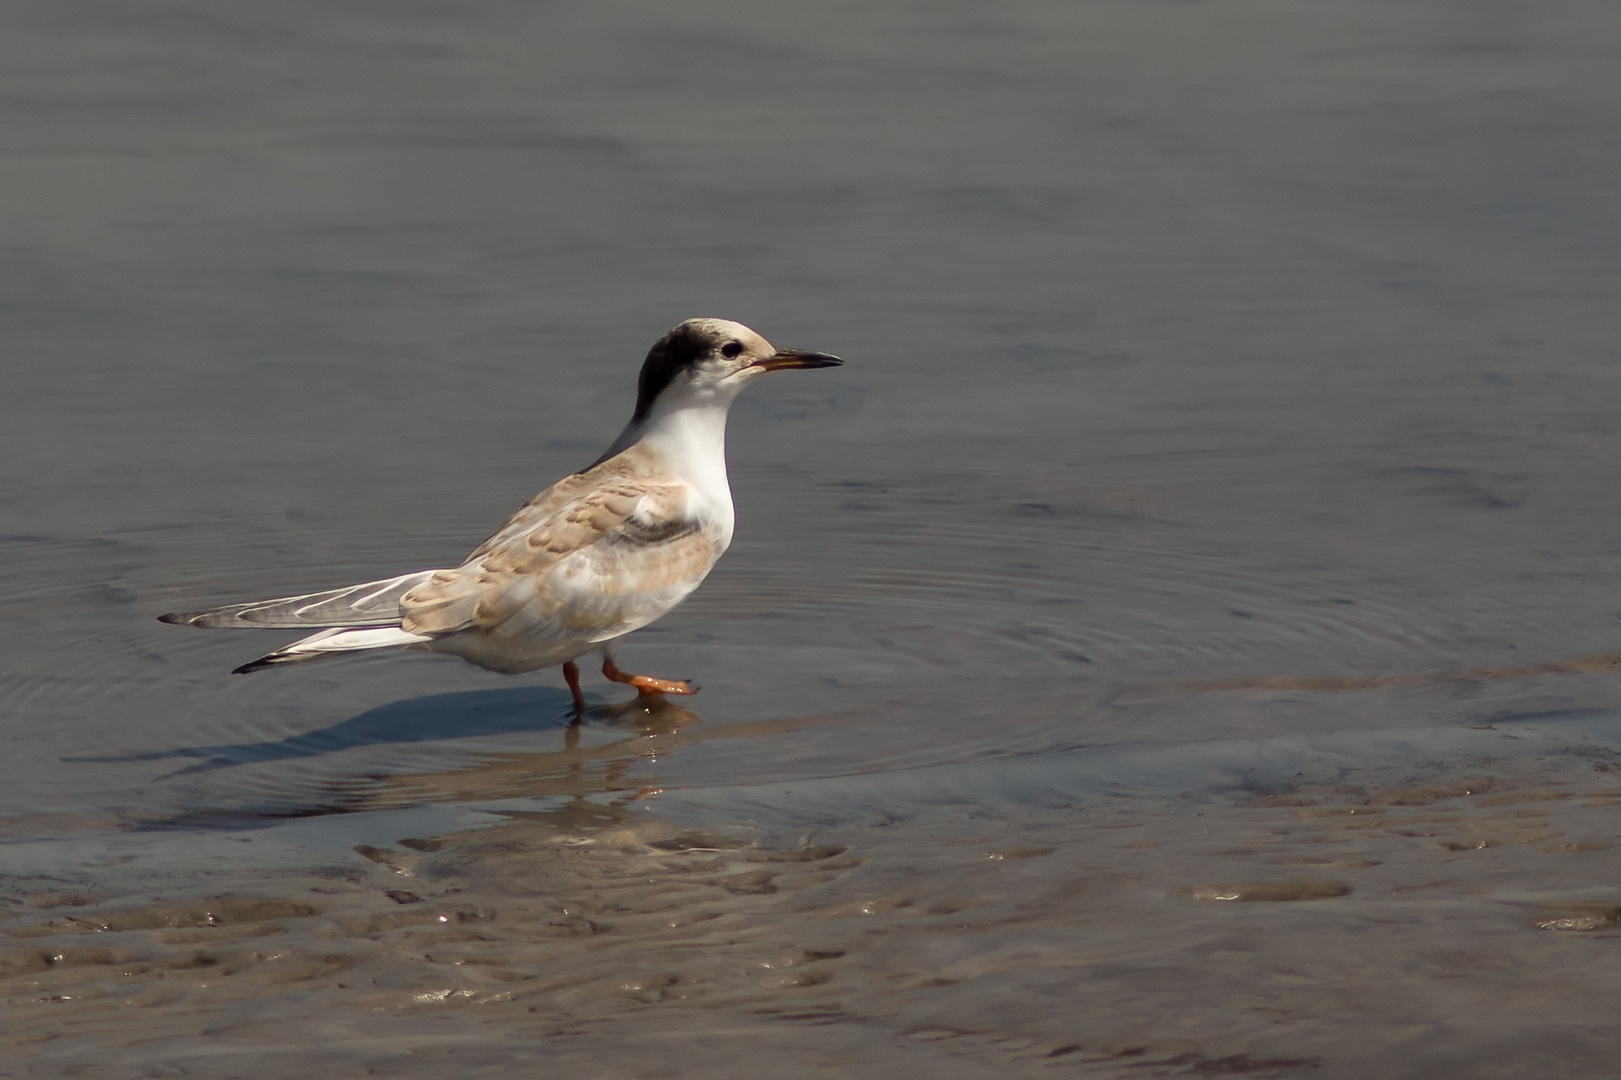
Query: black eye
[731, 349]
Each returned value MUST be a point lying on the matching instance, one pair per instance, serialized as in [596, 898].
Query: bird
[602, 552]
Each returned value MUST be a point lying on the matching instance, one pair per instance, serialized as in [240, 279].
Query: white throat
[688, 437]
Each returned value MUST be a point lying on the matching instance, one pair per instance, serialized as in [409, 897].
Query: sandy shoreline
[1400, 921]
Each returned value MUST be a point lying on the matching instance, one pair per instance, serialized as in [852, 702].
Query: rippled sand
[1456, 920]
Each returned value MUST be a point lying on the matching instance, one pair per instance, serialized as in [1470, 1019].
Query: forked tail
[353, 618]
[332, 642]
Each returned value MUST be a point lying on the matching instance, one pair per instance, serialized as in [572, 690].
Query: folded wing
[590, 560]
[371, 603]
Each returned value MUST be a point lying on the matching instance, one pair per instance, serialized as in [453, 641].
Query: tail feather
[363, 605]
[332, 642]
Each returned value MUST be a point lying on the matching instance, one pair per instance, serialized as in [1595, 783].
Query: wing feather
[595, 553]
[371, 603]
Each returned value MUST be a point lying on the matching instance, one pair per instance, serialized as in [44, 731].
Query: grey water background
[1231, 392]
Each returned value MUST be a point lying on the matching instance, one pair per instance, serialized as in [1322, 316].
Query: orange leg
[571, 675]
[645, 685]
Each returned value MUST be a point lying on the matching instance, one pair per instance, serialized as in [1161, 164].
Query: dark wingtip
[257, 665]
[184, 618]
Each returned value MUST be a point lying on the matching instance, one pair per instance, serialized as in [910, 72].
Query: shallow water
[1218, 505]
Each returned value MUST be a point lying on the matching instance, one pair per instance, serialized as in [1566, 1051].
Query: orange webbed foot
[647, 685]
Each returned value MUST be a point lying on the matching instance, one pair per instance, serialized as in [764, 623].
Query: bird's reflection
[596, 762]
[587, 766]
[652, 726]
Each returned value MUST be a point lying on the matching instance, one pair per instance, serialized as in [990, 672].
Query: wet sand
[1181, 642]
[1458, 920]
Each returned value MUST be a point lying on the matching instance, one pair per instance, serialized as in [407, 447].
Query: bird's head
[709, 361]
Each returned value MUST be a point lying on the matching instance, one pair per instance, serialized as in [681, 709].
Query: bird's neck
[689, 440]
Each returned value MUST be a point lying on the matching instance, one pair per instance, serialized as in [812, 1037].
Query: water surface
[1182, 641]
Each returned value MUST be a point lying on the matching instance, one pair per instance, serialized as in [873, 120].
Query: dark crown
[670, 355]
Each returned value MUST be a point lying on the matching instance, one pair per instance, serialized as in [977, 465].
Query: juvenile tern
[593, 557]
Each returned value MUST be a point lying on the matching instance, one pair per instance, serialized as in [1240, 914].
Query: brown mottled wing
[634, 574]
[594, 554]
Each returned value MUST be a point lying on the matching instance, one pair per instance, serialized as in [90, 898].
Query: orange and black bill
[783, 359]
